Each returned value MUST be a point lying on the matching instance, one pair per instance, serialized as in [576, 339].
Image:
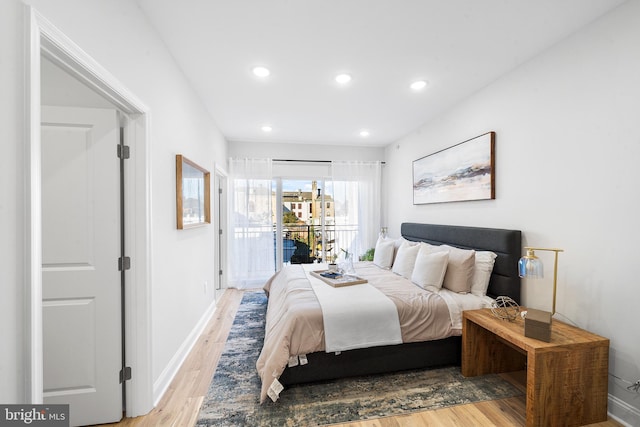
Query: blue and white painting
[462, 172]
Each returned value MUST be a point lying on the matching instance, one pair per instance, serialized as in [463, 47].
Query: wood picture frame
[462, 172]
[193, 194]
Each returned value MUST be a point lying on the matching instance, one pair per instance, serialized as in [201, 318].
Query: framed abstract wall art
[192, 194]
[465, 171]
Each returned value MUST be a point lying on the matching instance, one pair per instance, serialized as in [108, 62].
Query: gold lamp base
[537, 324]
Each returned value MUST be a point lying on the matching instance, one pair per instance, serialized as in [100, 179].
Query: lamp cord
[567, 319]
[634, 386]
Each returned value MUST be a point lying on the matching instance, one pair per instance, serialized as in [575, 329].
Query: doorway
[316, 220]
[306, 221]
[220, 224]
[46, 41]
[303, 221]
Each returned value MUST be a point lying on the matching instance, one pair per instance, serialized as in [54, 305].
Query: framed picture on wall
[193, 204]
[465, 171]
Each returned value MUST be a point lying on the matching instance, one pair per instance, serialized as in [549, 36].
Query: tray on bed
[338, 281]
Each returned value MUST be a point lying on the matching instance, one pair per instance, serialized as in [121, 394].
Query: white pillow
[383, 254]
[430, 268]
[482, 272]
[459, 269]
[399, 242]
[405, 259]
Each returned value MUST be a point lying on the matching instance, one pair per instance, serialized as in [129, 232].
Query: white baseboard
[164, 380]
[623, 413]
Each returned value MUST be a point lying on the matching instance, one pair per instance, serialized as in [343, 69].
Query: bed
[309, 361]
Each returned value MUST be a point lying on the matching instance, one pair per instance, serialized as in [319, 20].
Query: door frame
[43, 38]
[220, 223]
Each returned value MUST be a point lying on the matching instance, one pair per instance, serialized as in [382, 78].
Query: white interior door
[220, 222]
[80, 250]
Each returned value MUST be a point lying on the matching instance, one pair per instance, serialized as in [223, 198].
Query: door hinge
[124, 263]
[125, 374]
[220, 231]
[123, 151]
[220, 273]
[219, 190]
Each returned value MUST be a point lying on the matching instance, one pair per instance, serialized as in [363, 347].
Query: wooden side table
[566, 378]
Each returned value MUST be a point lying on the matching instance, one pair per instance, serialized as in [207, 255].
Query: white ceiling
[459, 46]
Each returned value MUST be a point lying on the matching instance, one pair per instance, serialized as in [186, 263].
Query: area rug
[233, 396]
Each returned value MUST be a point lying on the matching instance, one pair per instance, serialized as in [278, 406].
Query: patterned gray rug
[233, 397]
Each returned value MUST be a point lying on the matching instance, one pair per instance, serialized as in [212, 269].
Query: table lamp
[537, 323]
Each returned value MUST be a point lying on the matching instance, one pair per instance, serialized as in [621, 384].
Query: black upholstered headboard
[504, 243]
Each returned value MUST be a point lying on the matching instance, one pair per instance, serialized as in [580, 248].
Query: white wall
[116, 35]
[11, 202]
[568, 133]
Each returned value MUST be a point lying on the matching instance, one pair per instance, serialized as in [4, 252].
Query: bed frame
[375, 360]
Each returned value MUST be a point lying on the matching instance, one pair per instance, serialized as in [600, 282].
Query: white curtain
[251, 240]
[357, 194]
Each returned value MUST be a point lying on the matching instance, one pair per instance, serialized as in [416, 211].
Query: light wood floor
[180, 405]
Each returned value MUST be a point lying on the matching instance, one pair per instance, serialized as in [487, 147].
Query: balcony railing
[303, 244]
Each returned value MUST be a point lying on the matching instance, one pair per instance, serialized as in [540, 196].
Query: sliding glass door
[276, 220]
[304, 221]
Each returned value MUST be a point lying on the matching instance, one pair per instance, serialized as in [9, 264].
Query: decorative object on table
[537, 323]
[505, 308]
[383, 232]
[347, 265]
[193, 206]
[462, 172]
[333, 267]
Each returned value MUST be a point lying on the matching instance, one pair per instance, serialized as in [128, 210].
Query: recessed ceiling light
[266, 128]
[419, 84]
[343, 78]
[364, 133]
[261, 71]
